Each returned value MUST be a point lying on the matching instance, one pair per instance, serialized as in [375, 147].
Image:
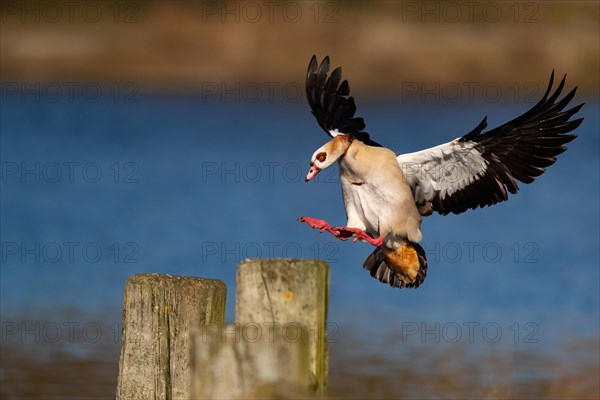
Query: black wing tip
[330, 101]
[314, 60]
[575, 124]
[476, 131]
[547, 107]
[568, 138]
[312, 65]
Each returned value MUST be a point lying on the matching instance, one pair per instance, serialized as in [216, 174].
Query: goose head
[329, 153]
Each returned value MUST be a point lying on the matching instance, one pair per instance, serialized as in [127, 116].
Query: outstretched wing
[479, 169]
[331, 103]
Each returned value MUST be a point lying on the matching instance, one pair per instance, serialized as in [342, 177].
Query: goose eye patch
[321, 157]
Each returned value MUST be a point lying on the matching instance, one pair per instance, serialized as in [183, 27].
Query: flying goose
[386, 194]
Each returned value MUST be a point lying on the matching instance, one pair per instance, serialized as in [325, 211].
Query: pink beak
[312, 173]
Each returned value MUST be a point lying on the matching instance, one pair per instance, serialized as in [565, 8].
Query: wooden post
[252, 361]
[283, 292]
[159, 314]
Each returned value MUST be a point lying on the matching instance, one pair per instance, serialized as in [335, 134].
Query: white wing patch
[444, 169]
[335, 132]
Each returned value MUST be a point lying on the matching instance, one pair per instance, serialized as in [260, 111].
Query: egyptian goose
[386, 194]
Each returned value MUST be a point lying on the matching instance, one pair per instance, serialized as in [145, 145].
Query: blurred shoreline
[41, 370]
[191, 47]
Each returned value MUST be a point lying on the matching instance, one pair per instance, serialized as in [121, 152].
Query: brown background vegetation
[172, 46]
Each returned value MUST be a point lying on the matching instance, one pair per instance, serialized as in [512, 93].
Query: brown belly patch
[404, 260]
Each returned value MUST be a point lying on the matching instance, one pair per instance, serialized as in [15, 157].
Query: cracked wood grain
[283, 292]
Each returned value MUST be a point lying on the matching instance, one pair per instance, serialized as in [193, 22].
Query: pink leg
[358, 234]
[341, 232]
[323, 226]
[316, 223]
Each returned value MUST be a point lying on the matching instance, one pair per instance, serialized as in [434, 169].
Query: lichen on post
[286, 291]
[159, 314]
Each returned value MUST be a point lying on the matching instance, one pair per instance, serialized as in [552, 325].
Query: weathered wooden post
[276, 349]
[159, 314]
[283, 292]
[252, 361]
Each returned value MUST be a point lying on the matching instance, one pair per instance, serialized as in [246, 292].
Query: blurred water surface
[93, 193]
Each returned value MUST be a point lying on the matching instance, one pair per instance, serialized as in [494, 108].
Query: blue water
[93, 193]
